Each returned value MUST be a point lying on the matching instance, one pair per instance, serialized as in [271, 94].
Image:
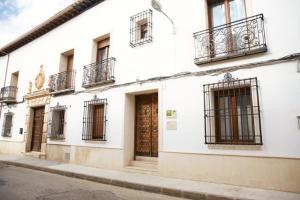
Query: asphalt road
[24, 184]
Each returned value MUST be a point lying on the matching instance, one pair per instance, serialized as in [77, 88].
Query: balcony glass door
[102, 64]
[224, 40]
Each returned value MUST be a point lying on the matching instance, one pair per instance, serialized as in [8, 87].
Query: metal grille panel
[141, 28]
[239, 38]
[8, 94]
[232, 112]
[62, 81]
[99, 73]
[57, 122]
[7, 124]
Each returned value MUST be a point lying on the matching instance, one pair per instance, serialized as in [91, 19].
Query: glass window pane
[237, 10]
[218, 14]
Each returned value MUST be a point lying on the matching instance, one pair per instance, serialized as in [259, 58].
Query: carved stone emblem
[40, 79]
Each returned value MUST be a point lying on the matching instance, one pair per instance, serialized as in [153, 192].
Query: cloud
[20, 16]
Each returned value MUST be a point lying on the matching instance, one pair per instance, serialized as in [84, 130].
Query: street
[18, 183]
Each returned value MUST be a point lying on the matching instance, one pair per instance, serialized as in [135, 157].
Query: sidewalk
[169, 186]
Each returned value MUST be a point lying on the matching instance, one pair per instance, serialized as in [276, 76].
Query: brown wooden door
[146, 125]
[69, 71]
[37, 129]
[98, 120]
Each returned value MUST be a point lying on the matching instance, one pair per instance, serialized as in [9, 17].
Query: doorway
[146, 125]
[37, 129]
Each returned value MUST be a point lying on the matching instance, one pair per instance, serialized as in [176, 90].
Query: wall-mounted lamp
[298, 118]
[158, 7]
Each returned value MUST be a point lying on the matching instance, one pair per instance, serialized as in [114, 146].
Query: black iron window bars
[63, 81]
[141, 28]
[239, 38]
[57, 122]
[7, 124]
[8, 94]
[94, 120]
[232, 112]
[99, 73]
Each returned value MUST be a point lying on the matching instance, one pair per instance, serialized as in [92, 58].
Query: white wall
[167, 54]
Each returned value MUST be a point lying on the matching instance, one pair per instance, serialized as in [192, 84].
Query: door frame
[32, 125]
[135, 124]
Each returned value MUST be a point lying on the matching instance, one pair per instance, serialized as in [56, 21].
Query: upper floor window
[141, 28]
[232, 112]
[230, 33]
[102, 71]
[8, 94]
[64, 81]
[7, 124]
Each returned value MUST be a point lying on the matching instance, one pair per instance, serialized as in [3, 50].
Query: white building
[114, 84]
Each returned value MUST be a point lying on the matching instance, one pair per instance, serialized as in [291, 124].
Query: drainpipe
[7, 62]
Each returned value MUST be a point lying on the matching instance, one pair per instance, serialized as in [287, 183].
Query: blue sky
[7, 9]
[20, 16]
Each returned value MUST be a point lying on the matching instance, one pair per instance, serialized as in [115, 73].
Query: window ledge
[199, 61]
[62, 92]
[98, 83]
[234, 147]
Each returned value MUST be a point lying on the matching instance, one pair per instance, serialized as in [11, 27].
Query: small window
[7, 124]
[94, 120]
[232, 113]
[141, 28]
[57, 122]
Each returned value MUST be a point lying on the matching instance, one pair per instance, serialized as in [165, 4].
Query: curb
[131, 185]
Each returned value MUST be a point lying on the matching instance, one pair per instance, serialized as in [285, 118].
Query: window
[102, 71]
[7, 124]
[232, 113]
[64, 81]
[94, 120]
[57, 122]
[141, 28]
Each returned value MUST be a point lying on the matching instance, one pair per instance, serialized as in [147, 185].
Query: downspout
[7, 62]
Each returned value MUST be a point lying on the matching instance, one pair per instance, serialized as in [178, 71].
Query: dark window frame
[59, 128]
[138, 24]
[88, 132]
[241, 114]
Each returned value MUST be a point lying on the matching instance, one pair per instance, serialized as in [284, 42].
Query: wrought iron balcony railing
[239, 38]
[8, 94]
[62, 82]
[99, 73]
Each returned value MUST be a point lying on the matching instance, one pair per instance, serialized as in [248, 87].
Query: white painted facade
[168, 54]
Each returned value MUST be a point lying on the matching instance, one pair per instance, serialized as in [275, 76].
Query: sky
[20, 16]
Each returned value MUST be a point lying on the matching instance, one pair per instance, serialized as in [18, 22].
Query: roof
[58, 19]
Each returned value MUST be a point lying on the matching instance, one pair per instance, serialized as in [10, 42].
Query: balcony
[8, 94]
[62, 82]
[99, 73]
[239, 38]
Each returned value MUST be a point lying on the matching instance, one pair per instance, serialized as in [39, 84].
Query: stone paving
[161, 185]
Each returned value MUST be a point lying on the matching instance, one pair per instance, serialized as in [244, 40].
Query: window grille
[94, 120]
[141, 28]
[7, 124]
[57, 122]
[232, 112]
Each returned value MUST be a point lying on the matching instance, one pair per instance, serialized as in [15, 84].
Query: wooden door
[69, 71]
[98, 120]
[37, 129]
[146, 125]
